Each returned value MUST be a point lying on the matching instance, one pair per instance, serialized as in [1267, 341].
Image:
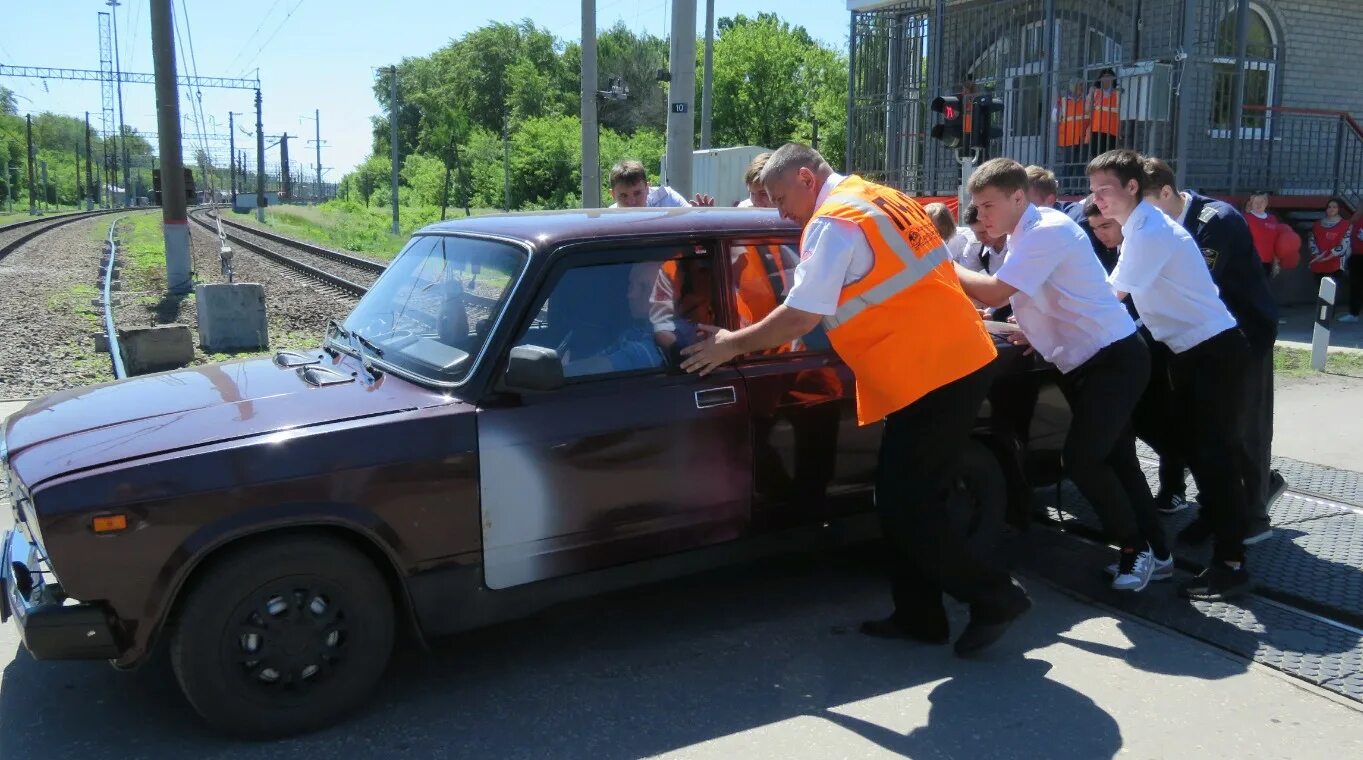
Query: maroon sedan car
[499, 425]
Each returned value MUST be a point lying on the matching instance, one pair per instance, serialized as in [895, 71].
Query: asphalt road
[755, 661]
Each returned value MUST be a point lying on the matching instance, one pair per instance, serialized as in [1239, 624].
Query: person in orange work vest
[1104, 113]
[876, 273]
[1071, 118]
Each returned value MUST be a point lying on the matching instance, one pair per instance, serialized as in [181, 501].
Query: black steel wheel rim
[287, 640]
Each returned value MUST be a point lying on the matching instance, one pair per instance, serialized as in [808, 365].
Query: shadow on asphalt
[638, 673]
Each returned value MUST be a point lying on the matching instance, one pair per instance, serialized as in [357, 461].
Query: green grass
[20, 214]
[76, 300]
[351, 227]
[1296, 362]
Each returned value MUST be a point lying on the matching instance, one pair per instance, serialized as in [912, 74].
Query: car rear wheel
[283, 636]
[984, 490]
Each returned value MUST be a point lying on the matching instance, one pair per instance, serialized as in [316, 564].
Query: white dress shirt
[662, 196]
[834, 253]
[1063, 304]
[1164, 271]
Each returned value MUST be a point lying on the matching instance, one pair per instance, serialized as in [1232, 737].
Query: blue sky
[312, 54]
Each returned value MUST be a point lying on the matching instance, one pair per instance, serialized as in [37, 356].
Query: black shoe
[932, 631]
[989, 620]
[1216, 583]
[1276, 486]
[1171, 503]
[1197, 531]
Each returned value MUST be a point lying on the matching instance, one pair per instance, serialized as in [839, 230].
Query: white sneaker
[1160, 569]
[1347, 318]
[1134, 570]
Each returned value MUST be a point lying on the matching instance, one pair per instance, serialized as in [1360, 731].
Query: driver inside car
[633, 345]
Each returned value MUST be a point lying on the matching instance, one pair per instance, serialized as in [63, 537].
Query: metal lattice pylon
[106, 87]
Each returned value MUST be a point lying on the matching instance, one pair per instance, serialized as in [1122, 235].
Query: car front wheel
[283, 636]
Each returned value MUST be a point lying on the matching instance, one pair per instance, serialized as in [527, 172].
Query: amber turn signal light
[110, 523]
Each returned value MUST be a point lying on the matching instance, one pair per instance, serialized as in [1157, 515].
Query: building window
[1261, 65]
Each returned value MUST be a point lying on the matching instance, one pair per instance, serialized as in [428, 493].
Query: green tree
[771, 79]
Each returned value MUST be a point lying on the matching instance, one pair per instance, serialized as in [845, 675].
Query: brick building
[1236, 94]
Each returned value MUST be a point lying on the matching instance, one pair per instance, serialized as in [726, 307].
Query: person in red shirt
[1355, 269]
[1329, 243]
[1273, 239]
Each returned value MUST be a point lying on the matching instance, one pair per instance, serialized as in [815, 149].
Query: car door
[631, 458]
[810, 458]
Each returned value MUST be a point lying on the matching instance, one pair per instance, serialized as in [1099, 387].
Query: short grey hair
[789, 157]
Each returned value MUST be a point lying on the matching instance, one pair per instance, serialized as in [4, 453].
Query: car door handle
[716, 397]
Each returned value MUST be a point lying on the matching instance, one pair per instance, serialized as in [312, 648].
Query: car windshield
[434, 307]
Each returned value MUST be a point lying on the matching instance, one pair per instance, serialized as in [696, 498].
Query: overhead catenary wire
[196, 103]
[245, 45]
[273, 34]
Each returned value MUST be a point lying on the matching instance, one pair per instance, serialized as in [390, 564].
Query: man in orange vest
[1071, 119]
[1104, 113]
[874, 270]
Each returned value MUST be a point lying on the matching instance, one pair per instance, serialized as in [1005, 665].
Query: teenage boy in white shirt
[1067, 312]
[1163, 270]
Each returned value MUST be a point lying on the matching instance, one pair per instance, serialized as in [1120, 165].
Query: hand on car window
[702, 199]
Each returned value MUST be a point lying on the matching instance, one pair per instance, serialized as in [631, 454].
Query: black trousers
[1157, 422]
[1355, 284]
[1208, 381]
[1100, 449]
[1100, 143]
[1257, 425]
[916, 490]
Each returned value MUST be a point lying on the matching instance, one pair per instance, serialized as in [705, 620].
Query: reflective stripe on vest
[915, 268]
[1105, 110]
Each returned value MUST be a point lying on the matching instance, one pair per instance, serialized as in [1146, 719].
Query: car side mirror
[533, 368]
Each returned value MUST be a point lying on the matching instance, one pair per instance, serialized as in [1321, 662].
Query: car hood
[98, 425]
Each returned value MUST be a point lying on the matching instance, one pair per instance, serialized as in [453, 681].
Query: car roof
[549, 229]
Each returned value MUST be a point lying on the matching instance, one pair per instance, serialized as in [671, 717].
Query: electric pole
[260, 163]
[79, 195]
[506, 160]
[317, 120]
[284, 166]
[707, 89]
[175, 222]
[232, 157]
[32, 179]
[91, 196]
[591, 159]
[393, 142]
[118, 77]
[681, 126]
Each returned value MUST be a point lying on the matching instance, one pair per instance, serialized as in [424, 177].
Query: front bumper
[51, 626]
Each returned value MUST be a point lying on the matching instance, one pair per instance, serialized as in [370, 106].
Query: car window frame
[731, 299]
[476, 362]
[605, 253]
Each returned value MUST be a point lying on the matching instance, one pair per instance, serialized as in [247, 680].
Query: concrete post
[707, 88]
[232, 157]
[681, 125]
[1325, 314]
[90, 195]
[175, 223]
[260, 163]
[32, 179]
[317, 120]
[393, 143]
[591, 148]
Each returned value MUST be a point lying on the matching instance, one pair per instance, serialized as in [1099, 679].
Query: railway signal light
[988, 118]
[952, 130]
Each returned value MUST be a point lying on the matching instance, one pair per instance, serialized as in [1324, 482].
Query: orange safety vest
[1071, 130]
[1105, 111]
[757, 293]
[906, 328]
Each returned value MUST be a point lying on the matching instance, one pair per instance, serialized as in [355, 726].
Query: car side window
[630, 316]
[762, 275]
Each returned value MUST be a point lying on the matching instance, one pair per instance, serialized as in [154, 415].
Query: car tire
[984, 500]
[283, 636]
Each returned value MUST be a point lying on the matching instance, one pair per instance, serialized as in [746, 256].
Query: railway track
[351, 274]
[18, 233]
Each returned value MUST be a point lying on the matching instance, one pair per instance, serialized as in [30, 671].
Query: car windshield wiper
[367, 343]
[357, 344]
